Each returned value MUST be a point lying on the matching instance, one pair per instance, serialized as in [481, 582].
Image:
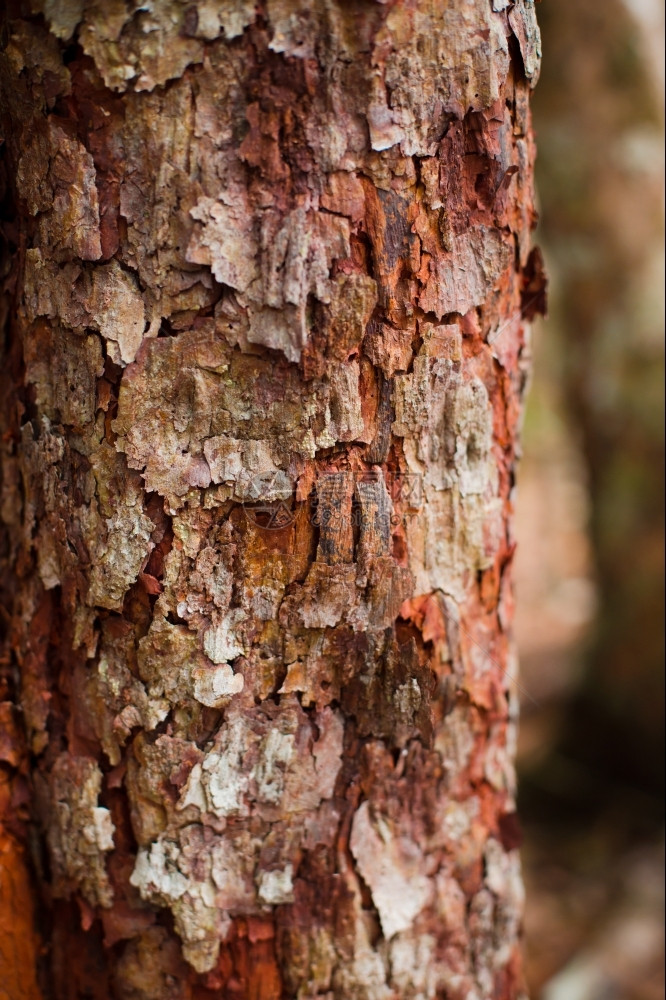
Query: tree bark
[267, 285]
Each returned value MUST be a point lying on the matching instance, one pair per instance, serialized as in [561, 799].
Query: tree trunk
[267, 274]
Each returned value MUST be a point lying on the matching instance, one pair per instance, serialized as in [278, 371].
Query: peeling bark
[267, 276]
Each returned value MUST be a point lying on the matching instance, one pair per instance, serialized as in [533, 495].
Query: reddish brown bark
[265, 361]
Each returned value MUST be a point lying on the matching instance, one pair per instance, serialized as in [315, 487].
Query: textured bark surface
[267, 279]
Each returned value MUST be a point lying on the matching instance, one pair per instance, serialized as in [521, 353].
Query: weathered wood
[260, 406]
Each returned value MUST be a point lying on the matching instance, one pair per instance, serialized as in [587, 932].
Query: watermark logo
[338, 497]
[406, 489]
[268, 500]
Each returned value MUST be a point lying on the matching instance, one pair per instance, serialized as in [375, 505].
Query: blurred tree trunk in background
[600, 186]
[266, 277]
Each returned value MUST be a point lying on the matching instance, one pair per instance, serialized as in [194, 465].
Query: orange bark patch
[19, 944]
